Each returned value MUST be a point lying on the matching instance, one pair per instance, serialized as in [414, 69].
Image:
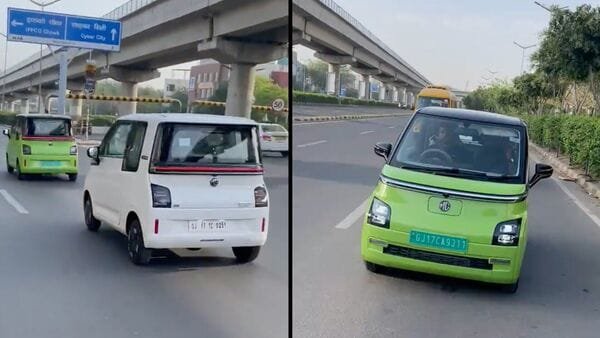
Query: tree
[149, 107]
[534, 90]
[181, 95]
[316, 73]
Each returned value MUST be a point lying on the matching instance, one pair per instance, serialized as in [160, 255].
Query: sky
[455, 42]
[18, 51]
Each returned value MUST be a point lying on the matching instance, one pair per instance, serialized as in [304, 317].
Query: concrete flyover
[338, 39]
[161, 33]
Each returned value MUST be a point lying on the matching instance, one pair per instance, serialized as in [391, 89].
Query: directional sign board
[63, 30]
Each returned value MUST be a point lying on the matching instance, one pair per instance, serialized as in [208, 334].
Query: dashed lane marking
[311, 144]
[13, 202]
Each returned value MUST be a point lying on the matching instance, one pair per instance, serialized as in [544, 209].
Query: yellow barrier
[222, 104]
[120, 98]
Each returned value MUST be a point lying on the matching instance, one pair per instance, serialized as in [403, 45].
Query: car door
[106, 190]
[13, 142]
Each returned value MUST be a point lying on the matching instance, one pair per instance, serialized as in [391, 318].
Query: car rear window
[192, 145]
[47, 127]
[270, 128]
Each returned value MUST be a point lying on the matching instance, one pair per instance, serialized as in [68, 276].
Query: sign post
[65, 30]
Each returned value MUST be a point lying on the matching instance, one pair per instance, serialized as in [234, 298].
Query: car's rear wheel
[138, 253]
[8, 167]
[284, 153]
[72, 177]
[20, 175]
[510, 288]
[375, 268]
[246, 254]
[91, 222]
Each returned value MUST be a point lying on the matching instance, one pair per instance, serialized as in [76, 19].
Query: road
[334, 110]
[59, 280]
[335, 170]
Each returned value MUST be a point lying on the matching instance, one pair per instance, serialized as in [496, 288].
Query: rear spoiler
[208, 169]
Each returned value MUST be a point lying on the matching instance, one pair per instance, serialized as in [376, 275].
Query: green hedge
[576, 136]
[304, 97]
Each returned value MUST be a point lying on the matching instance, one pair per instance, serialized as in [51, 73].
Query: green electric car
[452, 197]
[41, 144]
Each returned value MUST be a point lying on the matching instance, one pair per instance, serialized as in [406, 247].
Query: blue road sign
[374, 88]
[63, 30]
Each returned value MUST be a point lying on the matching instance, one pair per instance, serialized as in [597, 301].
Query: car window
[133, 149]
[47, 127]
[115, 141]
[194, 144]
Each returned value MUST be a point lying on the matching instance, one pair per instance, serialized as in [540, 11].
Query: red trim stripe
[256, 170]
[48, 138]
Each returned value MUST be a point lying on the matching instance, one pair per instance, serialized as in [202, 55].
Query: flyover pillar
[395, 94]
[367, 83]
[333, 80]
[361, 90]
[24, 106]
[243, 58]
[129, 89]
[129, 79]
[75, 107]
[382, 92]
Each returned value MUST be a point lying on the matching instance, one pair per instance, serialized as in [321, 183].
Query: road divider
[345, 117]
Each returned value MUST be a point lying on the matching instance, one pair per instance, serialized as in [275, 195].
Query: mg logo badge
[214, 182]
[445, 206]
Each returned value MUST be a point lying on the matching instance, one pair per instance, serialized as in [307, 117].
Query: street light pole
[550, 9]
[4, 71]
[43, 6]
[523, 56]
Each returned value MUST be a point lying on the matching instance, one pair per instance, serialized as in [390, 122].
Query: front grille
[469, 262]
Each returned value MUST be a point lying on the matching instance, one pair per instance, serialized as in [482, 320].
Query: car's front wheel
[246, 254]
[91, 222]
[138, 253]
[20, 175]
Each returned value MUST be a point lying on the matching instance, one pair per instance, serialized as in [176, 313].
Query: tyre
[375, 268]
[509, 288]
[90, 221]
[20, 175]
[284, 153]
[138, 253]
[8, 167]
[246, 254]
[72, 177]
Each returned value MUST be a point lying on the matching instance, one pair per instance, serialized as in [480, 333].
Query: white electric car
[273, 137]
[170, 181]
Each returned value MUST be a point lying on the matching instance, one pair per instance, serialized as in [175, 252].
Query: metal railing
[127, 8]
[337, 9]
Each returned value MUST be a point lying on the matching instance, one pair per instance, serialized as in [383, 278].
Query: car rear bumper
[274, 146]
[244, 228]
[32, 164]
[486, 263]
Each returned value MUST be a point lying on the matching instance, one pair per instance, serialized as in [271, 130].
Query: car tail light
[262, 227]
[156, 226]
[161, 196]
[260, 197]
[73, 150]
[26, 150]
[266, 137]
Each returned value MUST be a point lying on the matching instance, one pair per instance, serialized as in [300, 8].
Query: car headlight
[507, 233]
[26, 150]
[73, 150]
[379, 214]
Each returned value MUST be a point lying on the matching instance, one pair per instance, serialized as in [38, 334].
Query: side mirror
[93, 154]
[541, 171]
[383, 149]
[6, 132]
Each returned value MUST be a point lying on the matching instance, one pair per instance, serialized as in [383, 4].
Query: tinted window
[463, 148]
[194, 144]
[47, 127]
[133, 150]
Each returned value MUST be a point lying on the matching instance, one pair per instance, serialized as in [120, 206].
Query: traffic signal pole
[62, 81]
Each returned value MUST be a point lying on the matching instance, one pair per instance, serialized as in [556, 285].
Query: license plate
[47, 164]
[438, 241]
[207, 225]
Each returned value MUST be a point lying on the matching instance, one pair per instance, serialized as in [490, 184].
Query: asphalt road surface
[333, 110]
[59, 280]
[335, 170]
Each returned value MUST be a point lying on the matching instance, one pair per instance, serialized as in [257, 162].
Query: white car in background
[273, 137]
[172, 181]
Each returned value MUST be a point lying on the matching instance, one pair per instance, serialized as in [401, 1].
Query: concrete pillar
[361, 90]
[395, 94]
[333, 80]
[129, 89]
[24, 106]
[382, 92]
[240, 91]
[75, 107]
[367, 81]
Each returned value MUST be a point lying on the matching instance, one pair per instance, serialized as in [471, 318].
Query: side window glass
[115, 141]
[133, 150]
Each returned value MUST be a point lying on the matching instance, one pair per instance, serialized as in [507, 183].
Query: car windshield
[460, 148]
[273, 128]
[425, 101]
[48, 127]
[179, 144]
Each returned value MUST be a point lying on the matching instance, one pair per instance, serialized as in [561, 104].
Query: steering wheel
[435, 156]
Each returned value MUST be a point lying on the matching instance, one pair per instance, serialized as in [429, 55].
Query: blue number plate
[438, 241]
[50, 164]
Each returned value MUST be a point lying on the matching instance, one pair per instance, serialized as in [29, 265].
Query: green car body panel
[48, 154]
[472, 210]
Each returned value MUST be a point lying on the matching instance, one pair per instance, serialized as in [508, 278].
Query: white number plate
[207, 225]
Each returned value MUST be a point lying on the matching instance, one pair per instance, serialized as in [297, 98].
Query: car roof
[471, 115]
[47, 116]
[189, 118]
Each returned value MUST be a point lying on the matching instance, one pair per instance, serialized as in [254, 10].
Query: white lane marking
[354, 215]
[319, 122]
[367, 132]
[392, 127]
[12, 201]
[311, 144]
[577, 202]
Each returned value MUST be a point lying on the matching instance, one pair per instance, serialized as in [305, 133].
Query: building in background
[205, 78]
[276, 71]
[171, 86]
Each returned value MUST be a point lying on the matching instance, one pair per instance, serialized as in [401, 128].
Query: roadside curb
[578, 176]
[346, 117]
